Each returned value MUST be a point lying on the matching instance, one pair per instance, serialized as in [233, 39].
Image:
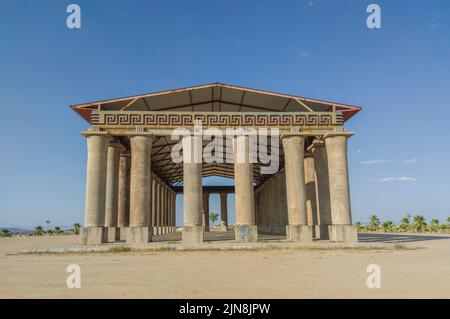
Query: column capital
[137, 133]
[334, 134]
[292, 134]
[94, 132]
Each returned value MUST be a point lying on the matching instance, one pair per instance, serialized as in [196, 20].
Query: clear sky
[399, 159]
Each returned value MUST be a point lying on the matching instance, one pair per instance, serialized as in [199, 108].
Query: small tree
[374, 222]
[434, 225]
[76, 228]
[405, 222]
[38, 231]
[5, 233]
[213, 217]
[58, 230]
[387, 225]
[419, 223]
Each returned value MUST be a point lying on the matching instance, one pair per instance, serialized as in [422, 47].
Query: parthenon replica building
[133, 178]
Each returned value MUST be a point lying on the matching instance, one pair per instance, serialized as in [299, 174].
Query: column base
[139, 235]
[192, 234]
[246, 233]
[322, 231]
[302, 233]
[123, 233]
[344, 233]
[93, 235]
[112, 233]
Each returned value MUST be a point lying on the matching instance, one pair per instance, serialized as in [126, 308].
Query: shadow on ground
[362, 237]
[396, 238]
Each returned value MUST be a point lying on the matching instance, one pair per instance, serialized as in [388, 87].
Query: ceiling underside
[172, 173]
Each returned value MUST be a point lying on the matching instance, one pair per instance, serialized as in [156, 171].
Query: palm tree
[5, 233]
[38, 231]
[387, 226]
[374, 222]
[405, 222]
[434, 225]
[419, 223]
[76, 228]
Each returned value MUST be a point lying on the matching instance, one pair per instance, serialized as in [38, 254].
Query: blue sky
[399, 158]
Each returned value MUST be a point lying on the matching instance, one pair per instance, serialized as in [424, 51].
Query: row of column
[123, 199]
[328, 205]
[103, 185]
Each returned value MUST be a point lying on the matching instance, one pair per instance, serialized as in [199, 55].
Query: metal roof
[215, 97]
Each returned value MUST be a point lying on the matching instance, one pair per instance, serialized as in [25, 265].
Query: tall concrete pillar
[165, 210]
[94, 214]
[223, 211]
[140, 201]
[157, 227]
[342, 228]
[154, 201]
[322, 189]
[311, 199]
[192, 190]
[298, 228]
[112, 192]
[206, 211]
[246, 229]
[169, 211]
[123, 210]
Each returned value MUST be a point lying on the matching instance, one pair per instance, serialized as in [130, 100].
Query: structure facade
[133, 179]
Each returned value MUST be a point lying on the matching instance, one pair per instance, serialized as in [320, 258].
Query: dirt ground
[405, 273]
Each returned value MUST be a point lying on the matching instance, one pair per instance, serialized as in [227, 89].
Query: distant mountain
[17, 230]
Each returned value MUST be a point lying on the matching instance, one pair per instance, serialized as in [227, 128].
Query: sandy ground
[405, 273]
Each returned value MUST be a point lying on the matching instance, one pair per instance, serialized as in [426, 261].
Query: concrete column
[322, 189]
[154, 201]
[206, 211]
[298, 228]
[164, 210]
[341, 229]
[311, 199]
[112, 192]
[223, 211]
[246, 229]
[124, 194]
[192, 191]
[157, 227]
[168, 210]
[140, 201]
[94, 214]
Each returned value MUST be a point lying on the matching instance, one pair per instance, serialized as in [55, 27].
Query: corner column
[298, 228]
[342, 229]
[140, 183]
[246, 229]
[223, 212]
[192, 190]
[93, 232]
